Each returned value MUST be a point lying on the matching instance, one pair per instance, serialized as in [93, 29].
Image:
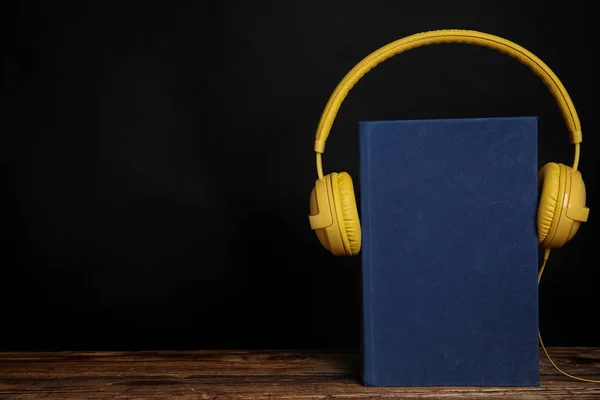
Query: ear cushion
[549, 182]
[349, 221]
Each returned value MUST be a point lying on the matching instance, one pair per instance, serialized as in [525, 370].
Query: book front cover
[450, 252]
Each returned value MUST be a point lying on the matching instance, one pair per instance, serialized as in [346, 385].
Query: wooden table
[252, 375]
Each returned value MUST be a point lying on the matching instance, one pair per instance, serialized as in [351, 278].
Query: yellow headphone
[562, 203]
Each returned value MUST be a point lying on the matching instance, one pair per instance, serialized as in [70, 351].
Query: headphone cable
[546, 255]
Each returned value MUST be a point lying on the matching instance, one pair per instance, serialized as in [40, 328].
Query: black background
[157, 161]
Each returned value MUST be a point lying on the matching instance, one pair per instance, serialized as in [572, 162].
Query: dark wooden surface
[231, 375]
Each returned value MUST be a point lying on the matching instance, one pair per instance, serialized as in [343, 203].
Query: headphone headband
[507, 47]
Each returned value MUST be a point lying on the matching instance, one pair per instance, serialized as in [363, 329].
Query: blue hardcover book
[450, 252]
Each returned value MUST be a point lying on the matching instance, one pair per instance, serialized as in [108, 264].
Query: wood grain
[240, 374]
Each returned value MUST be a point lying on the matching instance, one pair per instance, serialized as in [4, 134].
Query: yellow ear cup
[562, 206]
[324, 218]
[347, 212]
[334, 215]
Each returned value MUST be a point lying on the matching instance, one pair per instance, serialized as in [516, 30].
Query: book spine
[365, 253]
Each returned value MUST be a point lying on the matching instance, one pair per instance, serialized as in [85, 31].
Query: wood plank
[252, 375]
[181, 363]
[284, 388]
